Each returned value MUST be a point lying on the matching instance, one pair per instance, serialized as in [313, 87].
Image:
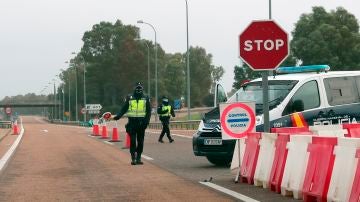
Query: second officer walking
[165, 111]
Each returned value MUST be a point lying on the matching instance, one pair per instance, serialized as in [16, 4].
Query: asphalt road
[66, 159]
[62, 163]
[178, 158]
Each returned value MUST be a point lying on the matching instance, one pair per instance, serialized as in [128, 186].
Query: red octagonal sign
[264, 45]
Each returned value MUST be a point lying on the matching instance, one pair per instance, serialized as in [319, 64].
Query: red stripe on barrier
[319, 169]
[355, 190]
[248, 165]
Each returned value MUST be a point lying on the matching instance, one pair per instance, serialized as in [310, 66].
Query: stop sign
[263, 45]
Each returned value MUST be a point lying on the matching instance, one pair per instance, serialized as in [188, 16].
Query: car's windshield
[278, 90]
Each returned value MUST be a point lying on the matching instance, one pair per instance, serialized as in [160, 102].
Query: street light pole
[148, 61]
[69, 96]
[156, 76]
[84, 91]
[76, 96]
[187, 61]
[63, 98]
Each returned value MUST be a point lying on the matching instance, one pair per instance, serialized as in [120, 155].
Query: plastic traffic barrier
[290, 130]
[265, 159]
[319, 168]
[329, 130]
[295, 166]
[344, 169]
[353, 129]
[278, 165]
[355, 190]
[248, 164]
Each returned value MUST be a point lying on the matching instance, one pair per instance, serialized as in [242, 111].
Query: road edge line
[229, 192]
[4, 160]
[184, 136]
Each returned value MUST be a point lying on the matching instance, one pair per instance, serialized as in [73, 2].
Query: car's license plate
[212, 142]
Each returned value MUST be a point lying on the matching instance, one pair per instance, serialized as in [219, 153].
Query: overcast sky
[38, 36]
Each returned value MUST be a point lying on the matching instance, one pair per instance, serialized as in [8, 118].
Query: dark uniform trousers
[165, 129]
[136, 130]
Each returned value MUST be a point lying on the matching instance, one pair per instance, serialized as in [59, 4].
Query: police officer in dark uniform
[165, 111]
[138, 109]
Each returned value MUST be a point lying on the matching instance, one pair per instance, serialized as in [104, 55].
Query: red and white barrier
[265, 159]
[250, 157]
[295, 166]
[344, 169]
[320, 165]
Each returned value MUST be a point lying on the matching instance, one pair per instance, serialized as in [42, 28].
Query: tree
[327, 38]
[243, 73]
[200, 73]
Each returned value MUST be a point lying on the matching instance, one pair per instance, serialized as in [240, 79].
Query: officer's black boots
[161, 141]
[171, 140]
[133, 161]
[138, 160]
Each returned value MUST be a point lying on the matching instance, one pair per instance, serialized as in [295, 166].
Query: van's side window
[306, 97]
[341, 90]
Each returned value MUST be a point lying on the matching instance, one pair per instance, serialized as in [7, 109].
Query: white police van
[298, 97]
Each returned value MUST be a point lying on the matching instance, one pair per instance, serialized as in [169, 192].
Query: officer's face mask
[165, 102]
[138, 90]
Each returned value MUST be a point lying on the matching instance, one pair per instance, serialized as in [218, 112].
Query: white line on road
[229, 192]
[184, 136]
[147, 157]
[12, 149]
[106, 142]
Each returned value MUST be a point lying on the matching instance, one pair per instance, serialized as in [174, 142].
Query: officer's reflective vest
[137, 108]
[166, 108]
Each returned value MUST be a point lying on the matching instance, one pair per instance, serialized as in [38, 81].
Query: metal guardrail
[5, 124]
[181, 125]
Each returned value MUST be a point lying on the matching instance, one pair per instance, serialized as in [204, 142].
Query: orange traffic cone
[96, 130]
[127, 141]
[115, 135]
[104, 133]
[15, 129]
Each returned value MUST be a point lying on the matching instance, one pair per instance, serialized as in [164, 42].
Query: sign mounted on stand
[237, 119]
[8, 110]
[93, 108]
[263, 45]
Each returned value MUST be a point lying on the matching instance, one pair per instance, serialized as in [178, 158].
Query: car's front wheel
[219, 160]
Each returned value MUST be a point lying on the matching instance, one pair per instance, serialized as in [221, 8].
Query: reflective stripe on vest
[137, 108]
[166, 108]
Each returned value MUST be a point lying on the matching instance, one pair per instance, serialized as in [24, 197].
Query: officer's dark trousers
[166, 130]
[136, 134]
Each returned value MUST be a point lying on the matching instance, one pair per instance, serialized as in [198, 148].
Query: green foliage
[200, 75]
[327, 38]
[242, 74]
[114, 61]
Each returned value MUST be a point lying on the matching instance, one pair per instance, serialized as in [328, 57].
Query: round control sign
[237, 119]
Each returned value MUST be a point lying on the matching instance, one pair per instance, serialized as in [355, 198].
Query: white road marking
[184, 136]
[229, 192]
[147, 157]
[10, 152]
[110, 143]
[45, 131]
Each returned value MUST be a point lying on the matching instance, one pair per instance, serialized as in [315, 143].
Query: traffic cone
[96, 130]
[127, 141]
[15, 129]
[115, 135]
[104, 133]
